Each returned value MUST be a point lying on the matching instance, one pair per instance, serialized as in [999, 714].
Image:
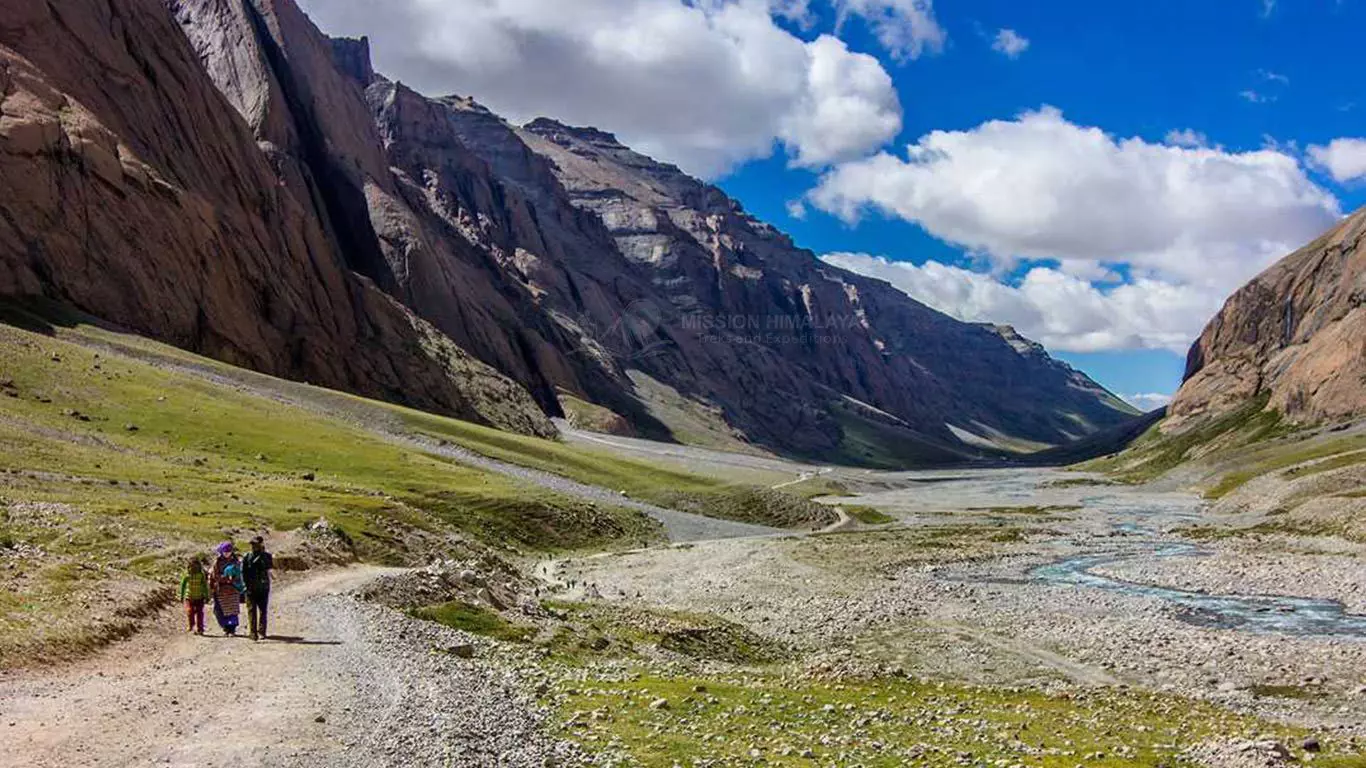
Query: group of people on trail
[233, 581]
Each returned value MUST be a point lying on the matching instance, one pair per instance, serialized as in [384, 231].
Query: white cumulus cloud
[1010, 43]
[1041, 188]
[848, 108]
[1343, 159]
[705, 84]
[1148, 401]
[1064, 312]
[906, 28]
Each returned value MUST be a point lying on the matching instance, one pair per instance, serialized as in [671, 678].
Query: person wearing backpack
[256, 567]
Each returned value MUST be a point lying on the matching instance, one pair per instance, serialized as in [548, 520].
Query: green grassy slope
[657, 483]
[120, 456]
[1154, 453]
[113, 469]
[731, 719]
[876, 443]
[1308, 475]
[1234, 448]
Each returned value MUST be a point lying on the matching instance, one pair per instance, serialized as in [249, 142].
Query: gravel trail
[343, 683]
[680, 526]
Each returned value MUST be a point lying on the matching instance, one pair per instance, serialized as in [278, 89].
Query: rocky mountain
[1295, 334]
[222, 175]
[869, 352]
[131, 189]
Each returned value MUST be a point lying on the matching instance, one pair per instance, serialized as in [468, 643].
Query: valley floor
[988, 585]
[999, 579]
[986, 618]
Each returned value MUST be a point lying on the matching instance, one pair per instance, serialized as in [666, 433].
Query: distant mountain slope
[1296, 333]
[1103, 443]
[855, 336]
[238, 183]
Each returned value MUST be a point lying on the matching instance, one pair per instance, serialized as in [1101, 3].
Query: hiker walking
[194, 592]
[227, 587]
[256, 567]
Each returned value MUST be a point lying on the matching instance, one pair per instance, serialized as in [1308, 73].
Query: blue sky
[1101, 175]
[1133, 69]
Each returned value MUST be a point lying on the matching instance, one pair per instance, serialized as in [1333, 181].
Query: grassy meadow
[119, 457]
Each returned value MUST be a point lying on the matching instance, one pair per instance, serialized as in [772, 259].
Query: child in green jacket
[194, 592]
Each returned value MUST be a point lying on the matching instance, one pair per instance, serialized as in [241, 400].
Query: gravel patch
[419, 703]
[341, 683]
[977, 615]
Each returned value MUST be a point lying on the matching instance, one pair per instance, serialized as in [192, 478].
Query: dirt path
[343, 683]
[160, 697]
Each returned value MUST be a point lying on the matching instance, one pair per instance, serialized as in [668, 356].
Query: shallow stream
[1258, 613]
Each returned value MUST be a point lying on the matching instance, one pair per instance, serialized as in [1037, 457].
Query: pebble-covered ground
[343, 682]
[931, 643]
[953, 597]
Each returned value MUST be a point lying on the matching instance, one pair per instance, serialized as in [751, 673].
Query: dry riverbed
[954, 597]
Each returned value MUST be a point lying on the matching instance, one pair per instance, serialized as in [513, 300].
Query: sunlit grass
[119, 466]
[788, 719]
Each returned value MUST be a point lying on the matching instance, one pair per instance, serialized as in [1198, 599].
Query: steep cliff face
[130, 189]
[502, 200]
[1296, 333]
[409, 207]
[846, 334]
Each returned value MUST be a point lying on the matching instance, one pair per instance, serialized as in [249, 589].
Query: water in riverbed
[1288, 615]
[1130, 515]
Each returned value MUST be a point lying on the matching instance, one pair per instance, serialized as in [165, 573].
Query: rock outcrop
[1296, 334]
[408, 205]
[222, 175]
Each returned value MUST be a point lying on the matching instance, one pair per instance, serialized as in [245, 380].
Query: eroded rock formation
[1296, 333]
[130, 188]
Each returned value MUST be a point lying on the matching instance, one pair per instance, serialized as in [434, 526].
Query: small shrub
[869, 515]
[474, 619]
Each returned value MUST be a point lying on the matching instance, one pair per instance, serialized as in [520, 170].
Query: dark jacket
[256, 570]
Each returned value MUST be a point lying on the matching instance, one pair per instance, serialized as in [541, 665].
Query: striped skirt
[229, 600]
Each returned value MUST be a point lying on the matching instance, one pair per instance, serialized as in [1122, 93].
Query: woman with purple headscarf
[227, 587]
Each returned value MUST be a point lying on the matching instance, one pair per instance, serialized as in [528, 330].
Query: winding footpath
[343, 683]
